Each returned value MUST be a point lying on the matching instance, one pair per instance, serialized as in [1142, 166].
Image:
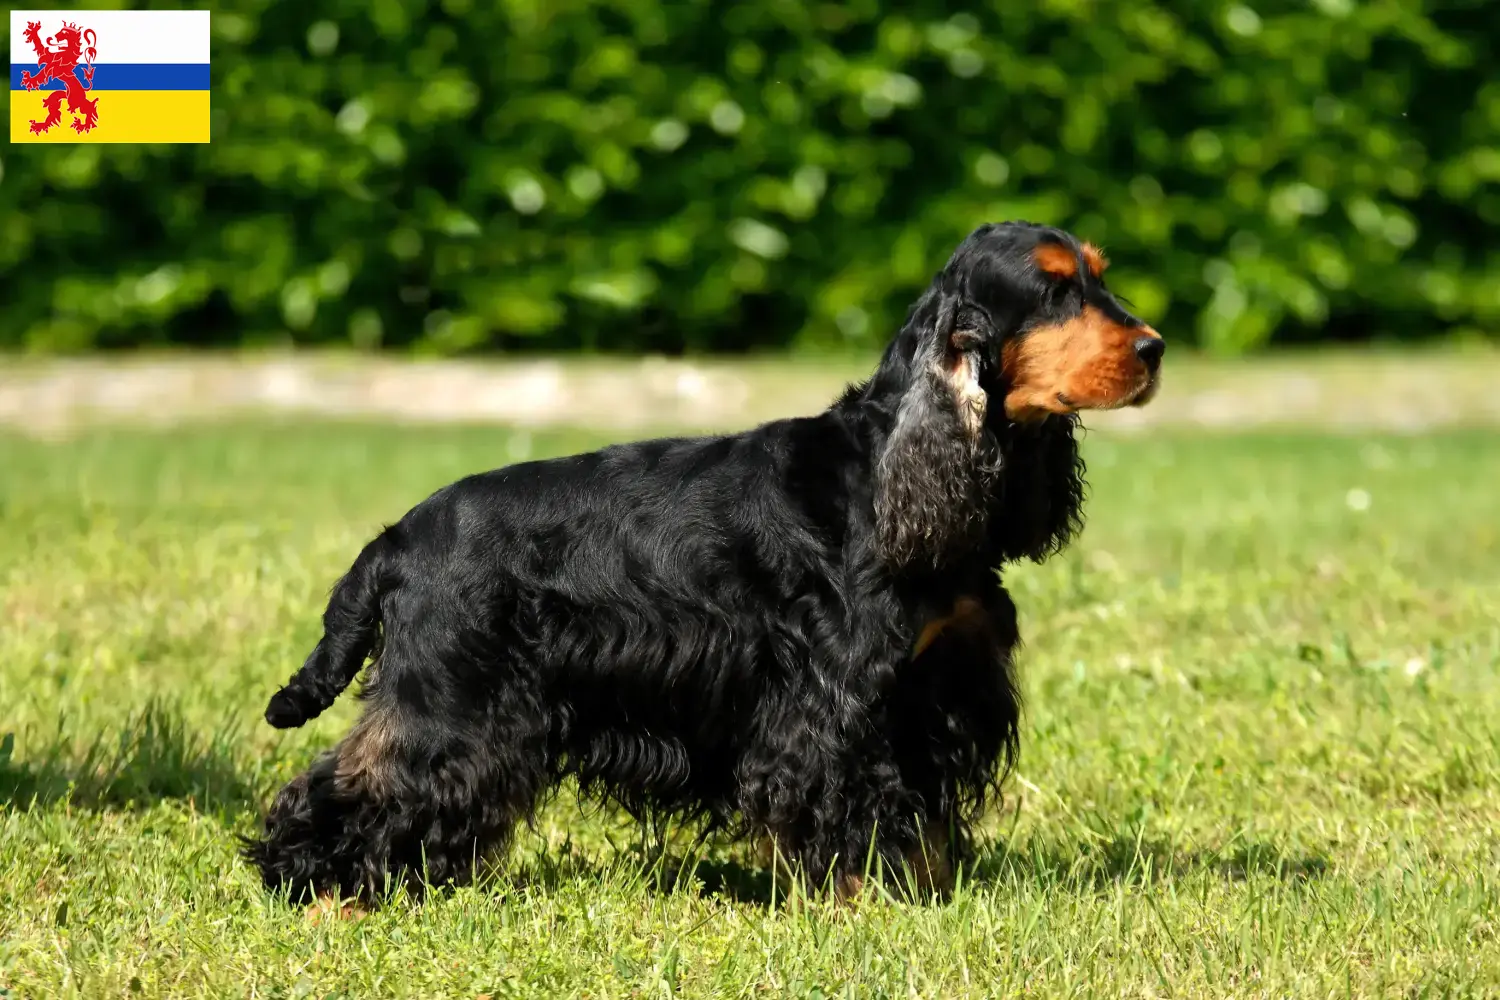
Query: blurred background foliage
[676, 175]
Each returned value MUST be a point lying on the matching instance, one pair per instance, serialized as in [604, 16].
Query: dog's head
[1015, 335]
[1031, 312]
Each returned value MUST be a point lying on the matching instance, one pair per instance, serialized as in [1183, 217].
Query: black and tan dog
[797, 632]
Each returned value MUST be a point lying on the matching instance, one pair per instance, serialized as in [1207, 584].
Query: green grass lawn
[1261, 755]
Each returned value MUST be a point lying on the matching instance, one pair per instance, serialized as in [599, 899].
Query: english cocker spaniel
[797, 632]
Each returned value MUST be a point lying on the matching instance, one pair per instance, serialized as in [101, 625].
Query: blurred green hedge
[674, 174]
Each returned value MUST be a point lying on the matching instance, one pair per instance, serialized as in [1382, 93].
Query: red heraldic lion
[56, 59]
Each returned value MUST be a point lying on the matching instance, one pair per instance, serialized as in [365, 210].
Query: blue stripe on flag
[127, 76]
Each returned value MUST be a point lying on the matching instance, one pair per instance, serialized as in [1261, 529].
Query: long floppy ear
[933, 475]
[1039, 505]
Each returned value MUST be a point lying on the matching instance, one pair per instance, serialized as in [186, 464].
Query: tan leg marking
[364, 756]
[966, 610]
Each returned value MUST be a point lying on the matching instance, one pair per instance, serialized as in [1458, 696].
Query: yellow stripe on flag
[124, 116]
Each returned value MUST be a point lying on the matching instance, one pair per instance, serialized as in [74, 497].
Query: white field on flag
[124, 36]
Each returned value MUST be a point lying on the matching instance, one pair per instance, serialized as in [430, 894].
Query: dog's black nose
[1150, 350]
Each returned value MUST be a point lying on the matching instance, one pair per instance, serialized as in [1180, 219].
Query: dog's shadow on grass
[154, 756]
[1094, 865]
[1091, 866]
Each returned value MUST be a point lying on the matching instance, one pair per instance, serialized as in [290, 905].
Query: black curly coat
[798, 631]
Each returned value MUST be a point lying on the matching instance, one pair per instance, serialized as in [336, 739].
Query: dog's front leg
[822, 785]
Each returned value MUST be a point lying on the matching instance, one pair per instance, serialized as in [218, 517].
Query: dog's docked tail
[350, 629]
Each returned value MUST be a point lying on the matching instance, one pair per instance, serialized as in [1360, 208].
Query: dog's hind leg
[383, 806]
[430, 780]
